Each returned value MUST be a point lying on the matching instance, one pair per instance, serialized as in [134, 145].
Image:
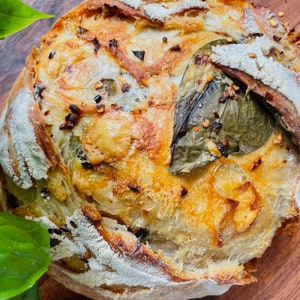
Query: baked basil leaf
[214, 116]
[16, 15]
[24, 254]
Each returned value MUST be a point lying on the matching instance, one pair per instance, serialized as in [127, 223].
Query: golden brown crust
[43, 139]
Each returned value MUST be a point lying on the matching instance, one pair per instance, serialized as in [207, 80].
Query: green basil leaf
[16, 15]
[235, 124]
[24, 254]
[31, 294]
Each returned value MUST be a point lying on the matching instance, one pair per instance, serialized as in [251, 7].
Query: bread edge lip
[186, 290]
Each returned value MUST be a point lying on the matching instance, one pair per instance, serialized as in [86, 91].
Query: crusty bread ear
[184, 290]
[85, 147]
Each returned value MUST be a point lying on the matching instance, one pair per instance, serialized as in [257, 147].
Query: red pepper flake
[74, 109]
[175, 48]
[135, 188]
[125, 87]
[92, 214]
[139, 54]
[86, 256]
[252, 55]
[202, 60]
[229, 92]
[165, 39]
[68, 125]
[73, 224]
[47, 112]
[216, 114]
[233, 203]
[215, 126]
[219, 242]
[276, 38]
[98, 85]
[115, 106]
[255, 164]
[71, 118]
[183, 191]
[100, 108]
[205, 123]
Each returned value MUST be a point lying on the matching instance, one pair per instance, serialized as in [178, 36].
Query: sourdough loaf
[102, 141]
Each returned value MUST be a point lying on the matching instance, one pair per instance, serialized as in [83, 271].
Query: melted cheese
[108, 138]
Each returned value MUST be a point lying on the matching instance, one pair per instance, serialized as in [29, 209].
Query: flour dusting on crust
[133, 3]
[106, 267]
[250, 23]
[252, 59]
[32, 161]
[123, 270]
[159, 12]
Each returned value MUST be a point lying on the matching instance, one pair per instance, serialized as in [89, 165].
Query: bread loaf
[158, 141]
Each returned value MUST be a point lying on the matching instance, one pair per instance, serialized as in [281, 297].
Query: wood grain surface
[279, 270]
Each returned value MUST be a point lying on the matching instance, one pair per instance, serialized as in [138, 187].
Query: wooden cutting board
[279, 270]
